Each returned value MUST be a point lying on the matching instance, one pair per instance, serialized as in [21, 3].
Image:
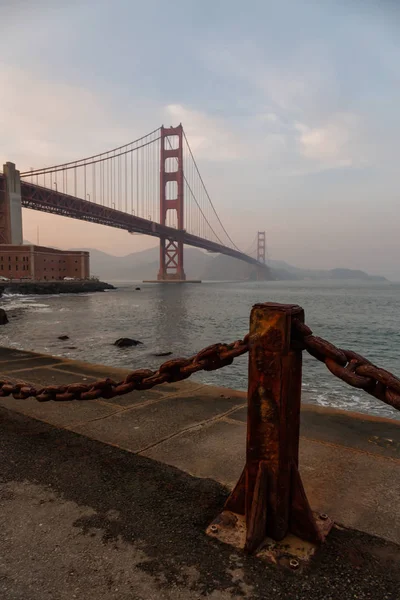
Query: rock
[137, 289]
[71, 347]
[63, 337]
[126, 342]
[163, 354]
[3, 317]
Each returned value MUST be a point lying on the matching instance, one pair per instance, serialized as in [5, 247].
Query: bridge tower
[10, 206]
[171, 198]
[261, 246]
[261, 250]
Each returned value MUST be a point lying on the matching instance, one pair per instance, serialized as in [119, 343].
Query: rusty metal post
[269, 499]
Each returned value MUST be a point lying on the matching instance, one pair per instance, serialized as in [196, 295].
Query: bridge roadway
[44, 199]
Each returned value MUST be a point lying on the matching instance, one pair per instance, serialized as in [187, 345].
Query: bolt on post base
[291, 552]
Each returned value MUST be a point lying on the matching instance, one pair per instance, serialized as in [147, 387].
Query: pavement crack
[189, 428]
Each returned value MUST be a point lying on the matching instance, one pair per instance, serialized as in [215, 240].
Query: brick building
[39, 263]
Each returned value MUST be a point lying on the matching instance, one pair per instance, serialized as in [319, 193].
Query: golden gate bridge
[150, 186]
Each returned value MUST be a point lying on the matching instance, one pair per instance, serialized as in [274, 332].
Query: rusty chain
[347, 365]
[350, 367]
[209, 359]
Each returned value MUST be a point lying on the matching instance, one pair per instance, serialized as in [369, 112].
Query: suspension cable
[208, 195]
[83, 160]
[74, 165]
[195, 199]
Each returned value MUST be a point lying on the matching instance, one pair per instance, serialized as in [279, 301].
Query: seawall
[350, 463]
[53, 287]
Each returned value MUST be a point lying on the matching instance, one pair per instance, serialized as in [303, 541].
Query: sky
[291, 109]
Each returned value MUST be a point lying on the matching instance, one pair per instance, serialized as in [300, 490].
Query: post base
[292, 552]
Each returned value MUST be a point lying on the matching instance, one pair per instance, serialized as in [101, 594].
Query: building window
[9, 258]
[16, 258]
[9, 267]
[16, 267]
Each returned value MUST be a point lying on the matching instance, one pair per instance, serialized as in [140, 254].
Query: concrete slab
[97, 371]
[138, 428]
[350, 463]
[356, 489]
[216, 451]
[137, 397]
[8, 354]
[354, 430]
[101, 371]
[44, 376]
[240, 415]
[28, 363]
[80, 519]
[60, 414]
[373, 435]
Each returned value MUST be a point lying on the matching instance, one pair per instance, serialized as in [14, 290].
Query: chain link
[209, 359]
[349, 366]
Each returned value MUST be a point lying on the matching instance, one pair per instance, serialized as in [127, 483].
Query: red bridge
[150, 186]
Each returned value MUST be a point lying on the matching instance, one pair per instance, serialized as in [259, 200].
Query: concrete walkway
[147, 519]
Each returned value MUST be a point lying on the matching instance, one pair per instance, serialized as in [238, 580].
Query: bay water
[182, 319]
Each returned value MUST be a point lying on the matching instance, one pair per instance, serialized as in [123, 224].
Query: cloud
[209, 137]
[43, 122]
[269, 118]
[331, 144]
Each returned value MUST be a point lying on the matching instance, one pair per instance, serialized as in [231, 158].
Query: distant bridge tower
[171, 198]
[261, 252]
[10, 206]
[261, 246]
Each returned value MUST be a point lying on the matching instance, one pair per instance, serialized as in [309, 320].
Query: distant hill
[285, 271]
[141, 265]
[208, 267]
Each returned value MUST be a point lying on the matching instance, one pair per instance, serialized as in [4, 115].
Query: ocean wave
[9, 295]
[16, 302]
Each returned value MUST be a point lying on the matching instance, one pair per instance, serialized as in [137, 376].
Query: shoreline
[94, 321]
[53, 287]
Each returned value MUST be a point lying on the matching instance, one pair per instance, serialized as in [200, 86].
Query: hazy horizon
[270, 261]
[291, 111]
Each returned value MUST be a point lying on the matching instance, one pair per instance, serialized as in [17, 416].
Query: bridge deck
[44, 199]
